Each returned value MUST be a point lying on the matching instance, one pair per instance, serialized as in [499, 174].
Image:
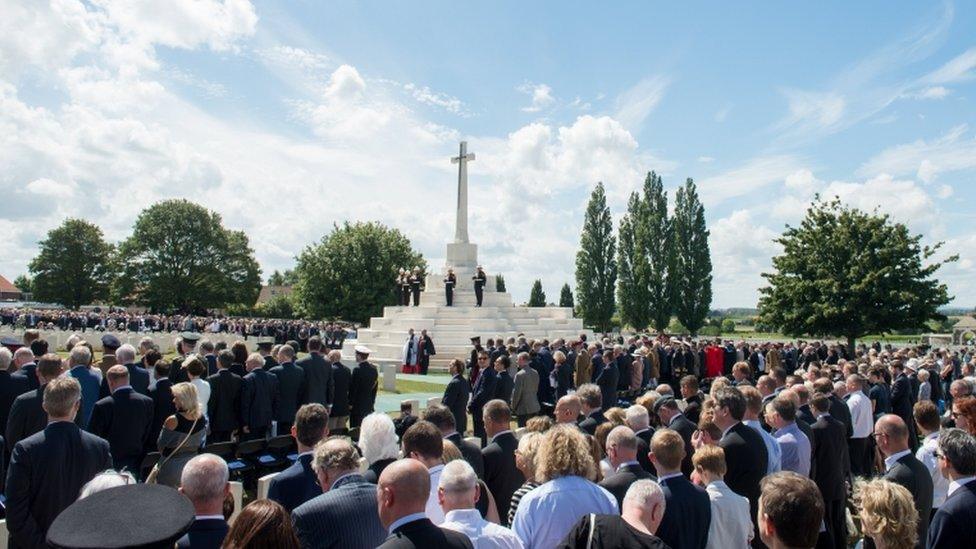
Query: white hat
[362, 350]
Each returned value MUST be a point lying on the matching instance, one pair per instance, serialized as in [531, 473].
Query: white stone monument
[452, 327]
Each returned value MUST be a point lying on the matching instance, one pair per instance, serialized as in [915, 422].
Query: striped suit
[345, 516]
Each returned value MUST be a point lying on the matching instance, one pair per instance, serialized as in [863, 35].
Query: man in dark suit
[745, 451]
[259, 399]
[902, 400]
[456, 396]
[11, 386]
[138, 376]
[622, 454]
[290, 386]
[341, 379]
[401, 496]
[48, 468]
[124, 419]
[204, 482]
[224, 406]
[504, 384]
[607, 382]
[318, 375]
[210, 359]
[481, 393]
[162, 397]
[954, 524]
[838, 408]
[265, 345]
[426, 350]
[591, 401]
[501, 475]
[188, 342]
[638, 419]
[298, 483]
[687, 511]
[667, 410]
[343, 514]
[902, 467]
[689, 392]
[362, 388]
[829, 467]
[443, 419]
[27, 415]
[26, 368]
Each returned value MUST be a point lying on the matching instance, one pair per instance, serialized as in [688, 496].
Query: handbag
[154, 474]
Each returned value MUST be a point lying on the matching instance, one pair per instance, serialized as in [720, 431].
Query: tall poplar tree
[692, 260]
[632, 282]
[596, 263]
[658, 244]
[537, 298]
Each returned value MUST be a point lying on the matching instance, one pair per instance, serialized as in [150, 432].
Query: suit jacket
[501, 475]
[564, 377]
[47, 471]
[344, 517]
[954, 524]
[504, 386]
[484, 390]
[28, 376]
[805, 414]
[829, 464]
[90, 388]
[914, 476]
[471, 453]
[455, 398]
[341, 379]
[295, 485]
[643, 448]
[746, 461]
[138, 378]
[259, 399]
[204, 534]
[211, 365]
[124, 419]
[26, 417]
[176, 372]
[525, 399]
[224, 406]
[687, 514]
[422, 534]
[318, 379]
[686, 429]
[607, 381]
[693, 408]
[842, 412]
[11, 387]
[291, 379]
[162, 397]
[618, 483]
[362, 390]
[592, 421]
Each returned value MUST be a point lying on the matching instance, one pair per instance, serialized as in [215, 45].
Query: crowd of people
[635, 442]
[112, 320]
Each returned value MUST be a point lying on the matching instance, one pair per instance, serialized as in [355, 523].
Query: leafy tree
[596, 263]
[24, 284]
[566, 297]
[657, 243]
[348, 273]
[692, 261]
[279, 306]
[74, 266]
[844, 272]
[537, 298]
[728, 326]
[632, 269]
[180, 257]
[499, 283]
[278, 278]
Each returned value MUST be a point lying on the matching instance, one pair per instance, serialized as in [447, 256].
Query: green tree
[632, 269]
[728, 326]
[596, 263]
[657, 242]
[278, 278]
[279, 306]
[566, 296]
[499, 283]
[74, 265]
[348, 273]
[537, 298]
[180, 257]
[24, 284]
[692, 260]
[848, 273]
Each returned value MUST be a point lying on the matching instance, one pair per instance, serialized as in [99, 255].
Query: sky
[288, 117]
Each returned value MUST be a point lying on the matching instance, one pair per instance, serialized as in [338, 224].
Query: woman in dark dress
[182, 434]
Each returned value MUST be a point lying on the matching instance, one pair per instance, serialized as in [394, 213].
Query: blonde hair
[450, 452]
[564, 452]
[185, 395]
[710, 458]
[616, 416]
[888, 513]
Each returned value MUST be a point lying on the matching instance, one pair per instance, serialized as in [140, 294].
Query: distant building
[9, 292]
[267, 292]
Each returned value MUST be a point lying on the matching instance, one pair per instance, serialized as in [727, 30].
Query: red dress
[714, 361]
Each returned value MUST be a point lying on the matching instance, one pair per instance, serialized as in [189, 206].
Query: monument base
[462, 256]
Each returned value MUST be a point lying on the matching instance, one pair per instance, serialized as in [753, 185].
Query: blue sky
[288, 116]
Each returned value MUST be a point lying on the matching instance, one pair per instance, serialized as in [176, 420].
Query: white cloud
[933, 92]
[755, 174]
[954, 151]
[803, 182]
[186, 24]
[812, 112]
[635, 104]
[742, 249]
[959, 69]
[706, 159]
[541, 95]
[904, 200]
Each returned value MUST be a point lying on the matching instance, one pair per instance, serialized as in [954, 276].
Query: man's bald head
[402, 489]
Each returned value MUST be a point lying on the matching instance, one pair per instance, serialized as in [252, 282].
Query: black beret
[109, 340]
[659, 403]
[136, 515]
[11, 343]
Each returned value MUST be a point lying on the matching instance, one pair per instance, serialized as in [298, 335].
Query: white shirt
[433, 509]
[893, 458]
[730, 525]
[203, 393]
[926, 454]
[958, 483]
[861, 416]
[483, 534]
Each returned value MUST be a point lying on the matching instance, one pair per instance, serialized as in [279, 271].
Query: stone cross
[461, 225]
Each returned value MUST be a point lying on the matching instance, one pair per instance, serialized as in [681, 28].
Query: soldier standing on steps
[415, 281]
[449, 282]
[398, 287]
[405, 287]
[480, 278]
